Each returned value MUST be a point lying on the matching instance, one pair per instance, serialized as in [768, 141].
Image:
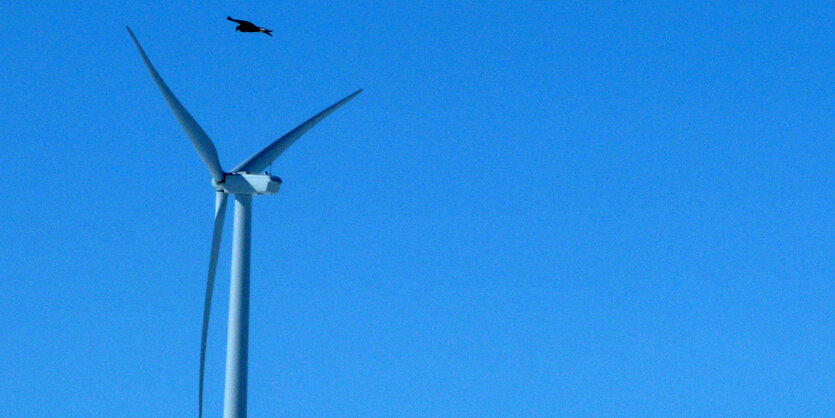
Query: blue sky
[534, 209]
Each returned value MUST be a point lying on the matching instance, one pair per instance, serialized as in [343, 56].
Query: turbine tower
[243, 181]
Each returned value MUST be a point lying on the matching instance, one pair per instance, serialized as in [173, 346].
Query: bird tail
[267, 31]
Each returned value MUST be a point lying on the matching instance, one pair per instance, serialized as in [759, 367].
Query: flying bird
[244, 26]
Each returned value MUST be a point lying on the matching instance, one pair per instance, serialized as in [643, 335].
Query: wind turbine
[243, 181]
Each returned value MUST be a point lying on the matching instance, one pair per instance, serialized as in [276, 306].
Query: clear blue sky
[534, 209]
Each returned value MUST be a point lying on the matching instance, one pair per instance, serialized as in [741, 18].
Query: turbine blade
[196, 134]
[220, 213]
[261, 159]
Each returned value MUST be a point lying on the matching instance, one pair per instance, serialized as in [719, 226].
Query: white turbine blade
[220, 213]
[261, 159]
[196, 134]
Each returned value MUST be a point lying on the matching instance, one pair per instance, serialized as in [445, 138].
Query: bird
[244, 26]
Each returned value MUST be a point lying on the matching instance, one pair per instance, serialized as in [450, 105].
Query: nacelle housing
[245, 183]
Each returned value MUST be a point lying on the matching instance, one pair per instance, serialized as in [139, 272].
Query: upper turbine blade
[220, 213]
[198, 137]
[261, 159]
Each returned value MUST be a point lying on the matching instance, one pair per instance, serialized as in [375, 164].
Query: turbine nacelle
[246, 183]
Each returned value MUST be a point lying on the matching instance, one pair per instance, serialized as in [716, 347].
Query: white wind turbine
[243, 181]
